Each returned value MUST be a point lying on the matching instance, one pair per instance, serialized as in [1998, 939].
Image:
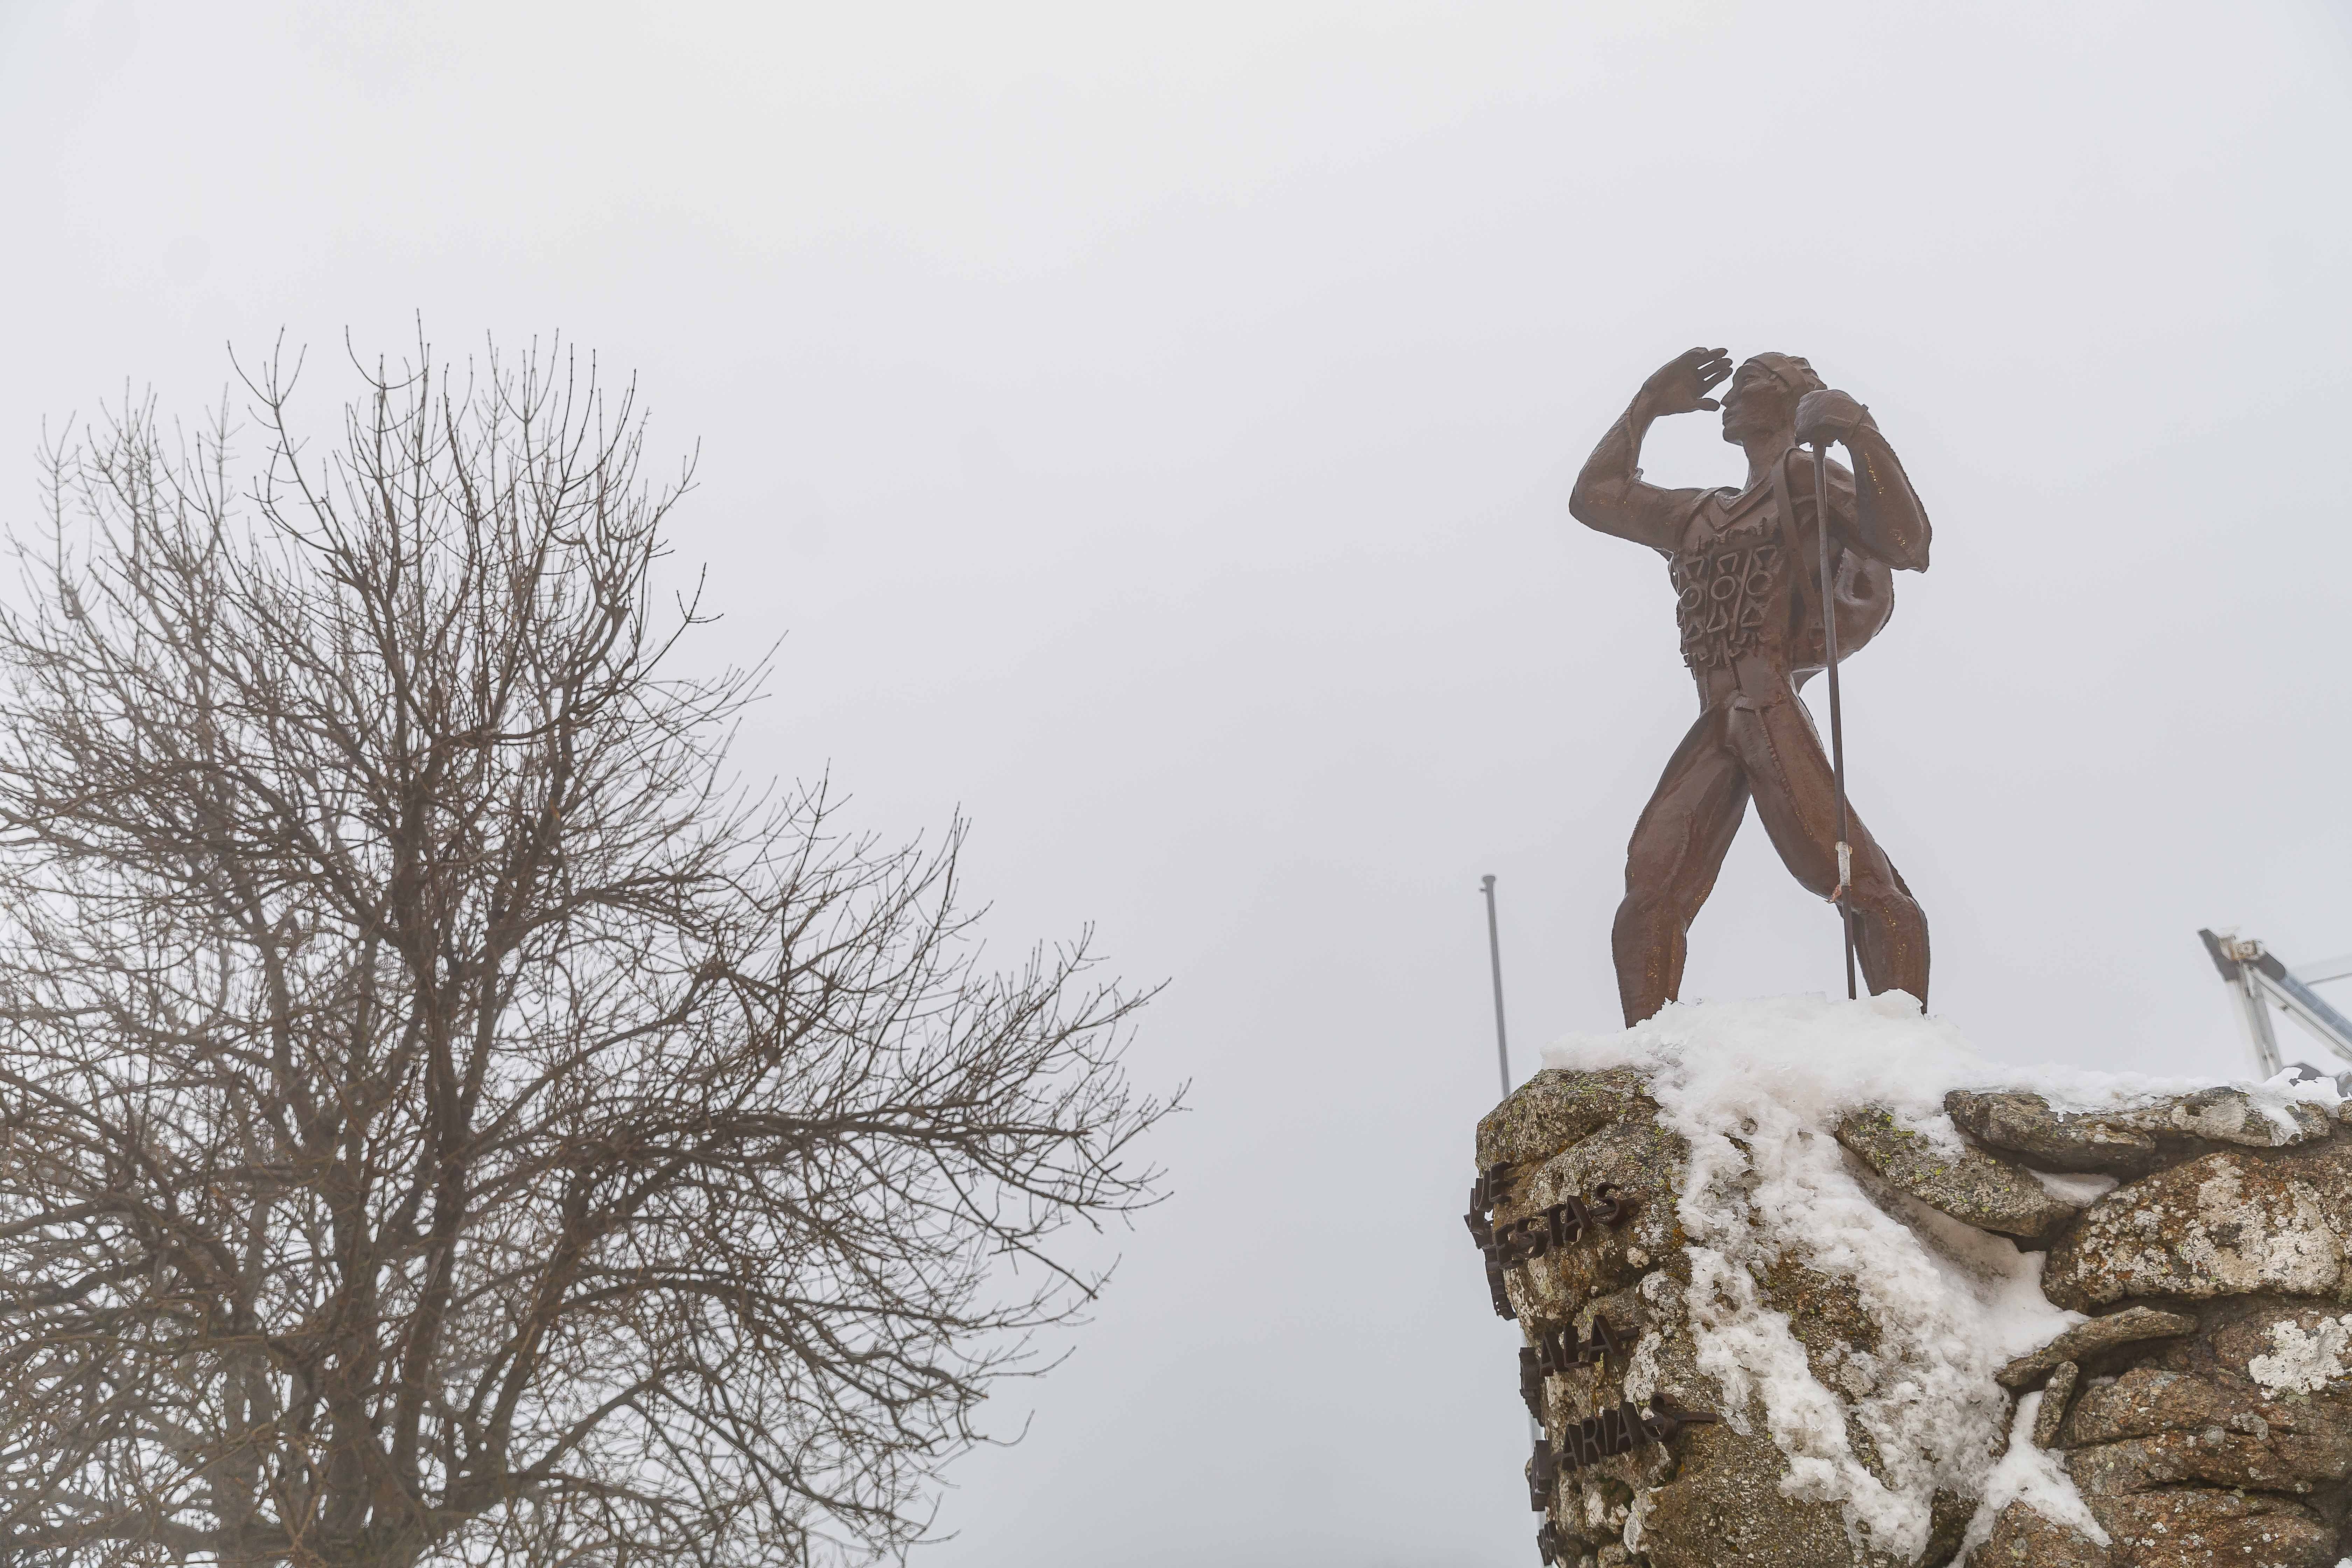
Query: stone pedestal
[2174, 1388]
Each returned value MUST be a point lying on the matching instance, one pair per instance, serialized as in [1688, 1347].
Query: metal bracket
[1493, 1186]
[1532, 1381]
[1543, 1474]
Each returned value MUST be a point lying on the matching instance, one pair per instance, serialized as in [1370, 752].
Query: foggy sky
[1151, 428]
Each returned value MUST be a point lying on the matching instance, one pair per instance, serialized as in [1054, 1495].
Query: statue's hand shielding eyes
[1681, 385]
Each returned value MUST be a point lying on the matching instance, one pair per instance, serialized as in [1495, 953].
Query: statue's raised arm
[1610, 494]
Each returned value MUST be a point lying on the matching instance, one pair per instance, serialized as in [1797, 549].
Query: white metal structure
[2261, 981]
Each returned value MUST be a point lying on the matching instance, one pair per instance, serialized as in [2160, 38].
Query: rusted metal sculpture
[1749, 606]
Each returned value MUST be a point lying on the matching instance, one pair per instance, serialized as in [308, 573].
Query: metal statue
[1749, 604]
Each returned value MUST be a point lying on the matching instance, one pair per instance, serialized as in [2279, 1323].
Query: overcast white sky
[1153, 429]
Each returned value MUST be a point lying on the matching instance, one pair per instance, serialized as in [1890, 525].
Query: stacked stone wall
[2202, 1409]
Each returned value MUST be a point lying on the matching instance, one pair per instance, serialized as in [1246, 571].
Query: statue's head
[1762, 396]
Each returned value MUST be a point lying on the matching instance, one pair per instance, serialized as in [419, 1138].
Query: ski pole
[1837, 715]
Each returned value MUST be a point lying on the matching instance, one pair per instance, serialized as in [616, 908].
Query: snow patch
[2033, 1477]
[1757, 1089]
[2304, 1361]
[2081, 1188]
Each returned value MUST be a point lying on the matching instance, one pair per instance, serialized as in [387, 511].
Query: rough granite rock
[2209, 1422]
[2131, 1141]
[2216, 1456]
[2021, 1538]
[2191, 1528]
[2147, 1400]
[2288, 1351]
[1969, 1184]
[2231, 1116]
[2023, 1124]
[2233, 1375]
[2223, 1224]
[1713, 1498]
[2084, 1341]
[2260, 1366]
[2152, 1434]
[1643, 1161]
[2055, 1396]
[2227, 1115]
[1555, 1109]
[1840, 1337]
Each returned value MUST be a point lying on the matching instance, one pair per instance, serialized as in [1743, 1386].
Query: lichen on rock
[2135, 1137]
[1956, 1178]
[2192, 1526]
[2223, 1224]
[2304, 1361]
[1825, 1206]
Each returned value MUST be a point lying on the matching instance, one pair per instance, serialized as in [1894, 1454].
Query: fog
[1149, 430]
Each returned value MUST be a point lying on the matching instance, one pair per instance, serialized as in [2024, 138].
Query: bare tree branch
[440, 1116]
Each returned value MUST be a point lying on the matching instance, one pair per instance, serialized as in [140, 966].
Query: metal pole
[1502, 1043]
[2256, 1011]
[1495, 958]
[1837, 715]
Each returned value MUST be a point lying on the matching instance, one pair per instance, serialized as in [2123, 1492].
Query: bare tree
[441, 1118]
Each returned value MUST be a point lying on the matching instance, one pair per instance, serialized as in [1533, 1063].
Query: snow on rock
[1757, 1091]
[2079, 1188]
[2033, 1477]
[1855, 1337]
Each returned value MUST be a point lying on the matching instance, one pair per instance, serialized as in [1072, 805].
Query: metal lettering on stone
[1550, 1229]
[1558, 1351]
[1493, 1186]
[1553, 1228]
[1619, 1430]
[1532, 1381]
[1558, 1226]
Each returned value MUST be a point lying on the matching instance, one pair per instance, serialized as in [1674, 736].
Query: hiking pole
[1837, 715]
[1494, 957]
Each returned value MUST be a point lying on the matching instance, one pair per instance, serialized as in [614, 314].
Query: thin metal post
[2255, 1008]
[1536, 1433]
[1837, 715]
[1495, 958]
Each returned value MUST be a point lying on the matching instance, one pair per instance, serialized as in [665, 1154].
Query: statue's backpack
[1862, 587]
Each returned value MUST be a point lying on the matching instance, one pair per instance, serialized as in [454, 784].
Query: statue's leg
[1796, 796]
[1678, 847]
